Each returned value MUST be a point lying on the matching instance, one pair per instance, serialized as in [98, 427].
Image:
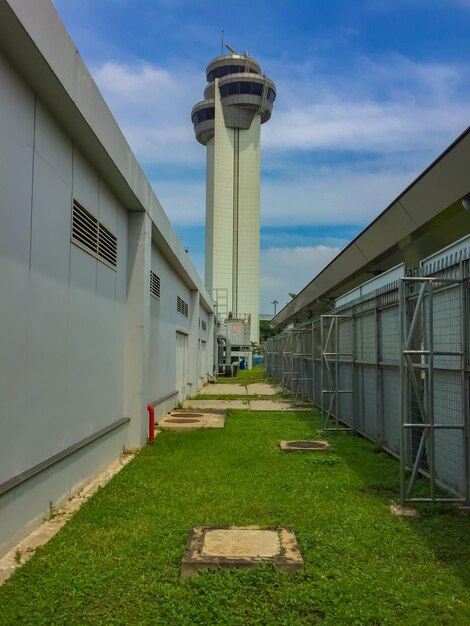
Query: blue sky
[369, 93]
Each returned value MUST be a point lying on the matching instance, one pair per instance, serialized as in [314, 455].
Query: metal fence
[393, 366]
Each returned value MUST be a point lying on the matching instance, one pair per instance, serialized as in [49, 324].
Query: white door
[202, 363]
[181, 365]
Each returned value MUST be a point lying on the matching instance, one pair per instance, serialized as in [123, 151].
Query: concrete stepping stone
[222, 390]
[243, 404]
[234, 547]
[262, 389]
[271, 405]
[203, 405]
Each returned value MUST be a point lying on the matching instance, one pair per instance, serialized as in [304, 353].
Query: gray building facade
[102, 311]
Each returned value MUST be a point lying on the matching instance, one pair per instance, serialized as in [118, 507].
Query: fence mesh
[365, 353]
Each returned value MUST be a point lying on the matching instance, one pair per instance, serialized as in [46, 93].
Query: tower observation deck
[237, 100]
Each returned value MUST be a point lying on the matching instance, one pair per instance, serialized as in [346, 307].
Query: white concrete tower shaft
[238, 100]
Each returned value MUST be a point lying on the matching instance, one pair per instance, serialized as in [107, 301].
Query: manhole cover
[181, 414]
[181, 420]
[307, 444]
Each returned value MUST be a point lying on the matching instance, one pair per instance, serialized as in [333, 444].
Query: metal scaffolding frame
[301, 357]
[332, 355]
[417, 369]
[409, 392]
[286, 363]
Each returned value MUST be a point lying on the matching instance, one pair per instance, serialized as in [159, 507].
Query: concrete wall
[85, 347]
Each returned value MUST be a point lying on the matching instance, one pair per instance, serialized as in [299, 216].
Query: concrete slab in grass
[191, 420]
[235, 547]
[207, 405]
[223, 390]
[271, 405]
[262, 389]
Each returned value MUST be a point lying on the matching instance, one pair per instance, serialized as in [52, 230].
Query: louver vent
[182, 307]
[92, 236]
[154, 284]
[107, 246]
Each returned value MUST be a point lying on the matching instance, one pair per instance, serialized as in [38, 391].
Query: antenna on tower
[231, 49]
[222, 44]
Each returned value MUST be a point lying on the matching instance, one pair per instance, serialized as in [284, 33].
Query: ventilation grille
[154, 284]
[92, 236]
[203, 325]
[182, 307]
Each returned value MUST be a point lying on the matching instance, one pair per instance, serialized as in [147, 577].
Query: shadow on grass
[442, 527]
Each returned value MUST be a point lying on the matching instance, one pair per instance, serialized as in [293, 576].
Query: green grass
[117, 561]
[246, 377]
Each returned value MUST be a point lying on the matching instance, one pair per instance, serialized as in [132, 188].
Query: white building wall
[165, 322]
[61, 313]
[83, 347]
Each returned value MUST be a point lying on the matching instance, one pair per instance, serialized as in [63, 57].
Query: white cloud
[386, 119]
[184, 203]
[364, 126]
[330, 196]
[153, 107]
[391, 104]
[288, 270]
[326, 196]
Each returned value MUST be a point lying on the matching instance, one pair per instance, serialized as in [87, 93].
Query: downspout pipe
[151, 411]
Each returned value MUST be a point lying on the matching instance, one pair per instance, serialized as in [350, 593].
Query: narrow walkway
[252, 396]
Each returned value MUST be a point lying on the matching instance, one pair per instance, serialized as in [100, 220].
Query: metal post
[430, 392]
[465, 379]
[322, 375]
[335, 321]
[403, 394]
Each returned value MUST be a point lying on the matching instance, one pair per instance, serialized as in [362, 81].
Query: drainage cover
[184, 414]
[181, 420]
[308, 446]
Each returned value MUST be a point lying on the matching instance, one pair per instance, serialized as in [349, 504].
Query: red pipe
[151, 423]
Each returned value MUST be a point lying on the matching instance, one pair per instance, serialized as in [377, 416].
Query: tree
[266, 331]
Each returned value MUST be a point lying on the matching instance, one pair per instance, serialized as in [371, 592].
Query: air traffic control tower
[237, 100]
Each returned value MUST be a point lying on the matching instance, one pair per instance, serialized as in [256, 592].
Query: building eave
[426, 216]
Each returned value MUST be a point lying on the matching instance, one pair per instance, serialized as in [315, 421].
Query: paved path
[240, 389]
[248, 402]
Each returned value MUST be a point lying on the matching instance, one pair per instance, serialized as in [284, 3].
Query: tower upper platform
[243, 89]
